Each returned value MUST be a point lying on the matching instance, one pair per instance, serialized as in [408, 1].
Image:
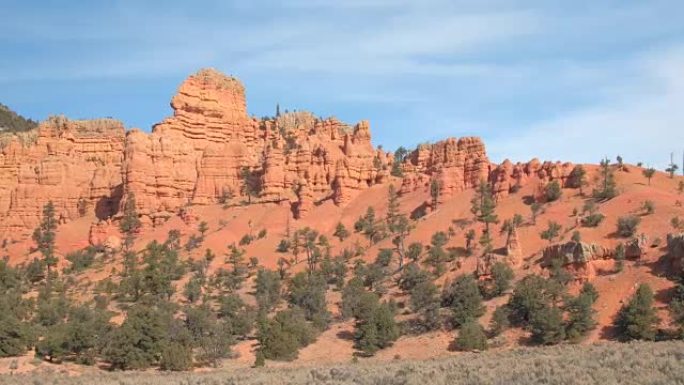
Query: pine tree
[552, 231]
[483, 205]
[649, 173]
[44, 237]
[435, 192]
[464, 298]
[581, 315]
[608, 188]
[130, 222]
[341, 232]
[510, 226]
[637, 319]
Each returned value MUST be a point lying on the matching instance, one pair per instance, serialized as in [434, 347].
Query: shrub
[553, 191]
[648, 206]
[262, 234]
[627, 226]
[283, 246]
[176, 357]
[375, 326]
[551, 232]
[500, 320]
[81, 259]
[464, 298]
[246, 240]
[283, 336]
[547, 326]
[637, 320]
[471, 336]
[593, 220]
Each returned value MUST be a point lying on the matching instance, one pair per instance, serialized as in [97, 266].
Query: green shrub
[471, 336]
[627, 226]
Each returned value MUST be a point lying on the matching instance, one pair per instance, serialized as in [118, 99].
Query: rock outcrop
[508, 177]
[76, 164]
[577, 258]
[202, 154]
[456, 164]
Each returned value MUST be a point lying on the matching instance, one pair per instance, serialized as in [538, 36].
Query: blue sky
[567, 80]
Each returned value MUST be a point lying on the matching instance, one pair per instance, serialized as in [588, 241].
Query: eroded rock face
[575, 253]
[200, 155]
[76, 164]
[508, 177]
[577, 258]
[205, 151]
[456, 164]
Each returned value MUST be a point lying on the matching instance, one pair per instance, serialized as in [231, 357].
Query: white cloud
[642, 121]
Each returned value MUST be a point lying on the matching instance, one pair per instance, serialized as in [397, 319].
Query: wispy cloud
[534, 78]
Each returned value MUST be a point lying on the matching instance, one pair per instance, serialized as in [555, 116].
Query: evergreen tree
[44, 237]
[649, 173]
[435, 191]
[369, 226]
[375, 327]
[510, 226]
[471, 336]
[547, 326]
[483, 205]
[553, 191]
[463, 297]
[267, 285]
[307, 291]
[552, 232]
[138, 342]
[581, 315]
[425, 301]
[399, 155]
[637, 320]
[283, 336]
[341, 232]
[608, 187]
[130, 222]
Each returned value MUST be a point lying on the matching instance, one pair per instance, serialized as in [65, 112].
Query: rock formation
[197, 156]
[455, 164]
[576, 257]
[76, 164]
[508, 177]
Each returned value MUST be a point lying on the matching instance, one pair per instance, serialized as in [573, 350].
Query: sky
[553, 79]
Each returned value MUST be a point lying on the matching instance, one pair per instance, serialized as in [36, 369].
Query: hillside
[10, 121]
[223, 239]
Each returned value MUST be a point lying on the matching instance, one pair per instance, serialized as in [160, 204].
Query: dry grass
[605, 364]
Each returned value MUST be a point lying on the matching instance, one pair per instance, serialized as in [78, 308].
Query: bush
[593, 220]
[262, 234]
[637, 320]
[471, 337]
[283, 336]
[283, 246]
[246, 240]
[627, 226]
[464, 298]
[375, 326]
[547, 326]
[176, 357]
[553, 191]
[648, 206]
[500, 320]
[81, 259]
